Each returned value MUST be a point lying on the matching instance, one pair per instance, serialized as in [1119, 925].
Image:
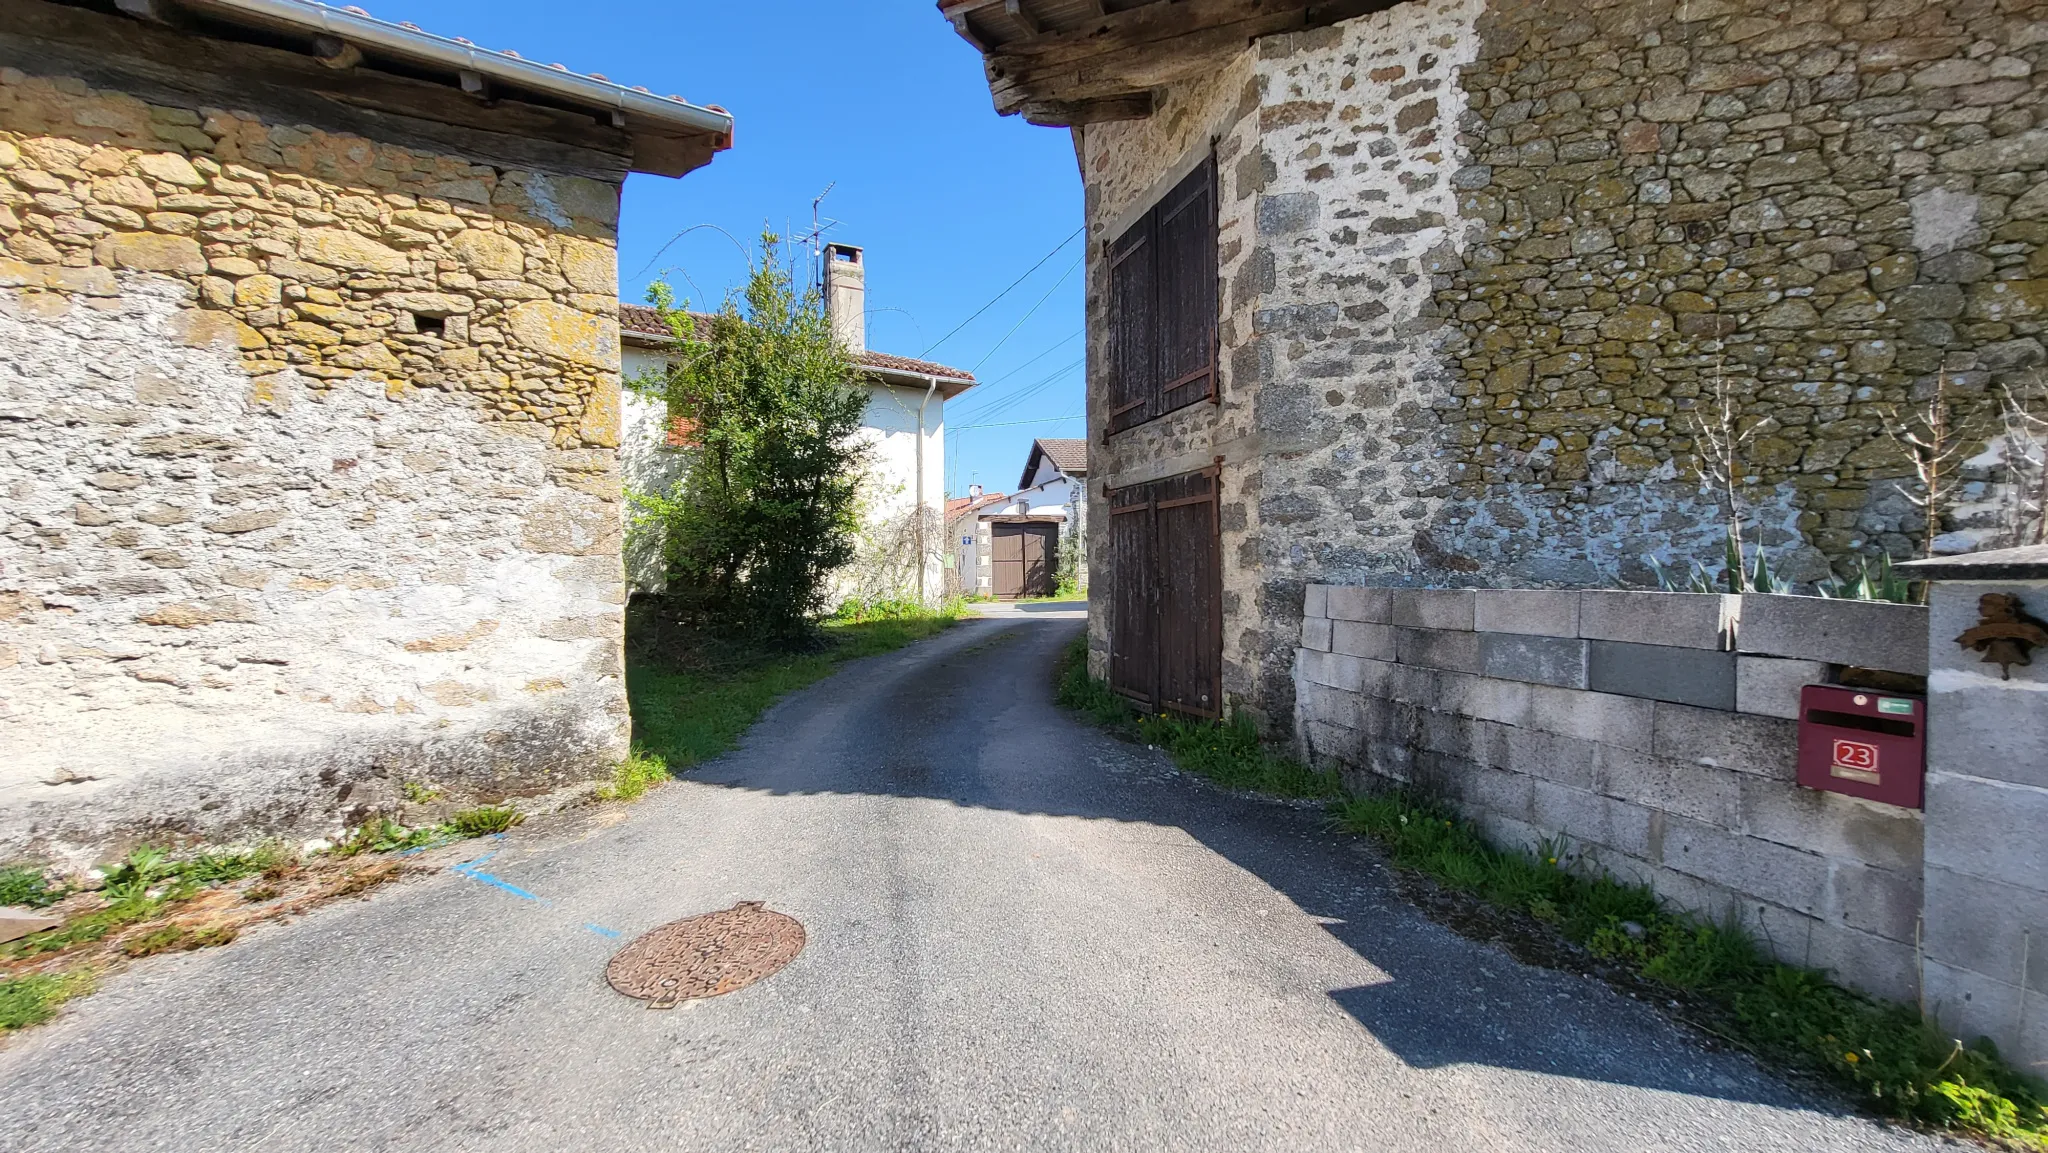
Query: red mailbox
[1864, 743]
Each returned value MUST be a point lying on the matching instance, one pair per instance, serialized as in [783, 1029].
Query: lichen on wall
[309, 445]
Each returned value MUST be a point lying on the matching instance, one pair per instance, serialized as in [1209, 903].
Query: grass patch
[27, 885]
[34, 999]
[1881, 1053]
[693, 696]
[634, 776]
[1228, 753]
[484, 821]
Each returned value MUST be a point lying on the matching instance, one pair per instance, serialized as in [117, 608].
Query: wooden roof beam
[1099, 110]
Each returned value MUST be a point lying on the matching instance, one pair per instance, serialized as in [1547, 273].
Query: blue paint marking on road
[601, 931]
[469, 869]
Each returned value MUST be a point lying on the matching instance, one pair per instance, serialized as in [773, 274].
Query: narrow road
[1022, 935]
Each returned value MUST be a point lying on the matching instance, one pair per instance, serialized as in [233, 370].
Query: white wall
[889, 430]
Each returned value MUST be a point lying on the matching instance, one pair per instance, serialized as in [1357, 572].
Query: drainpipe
[921, 550]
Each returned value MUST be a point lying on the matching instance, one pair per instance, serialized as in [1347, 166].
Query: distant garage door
[1025, 558]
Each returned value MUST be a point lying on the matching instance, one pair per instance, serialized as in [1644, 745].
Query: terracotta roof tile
[1068, 455]
[641, 320]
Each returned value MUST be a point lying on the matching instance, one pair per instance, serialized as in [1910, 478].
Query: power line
[1016, 423]
[1027, 316]
[1005, 292]
[1010, 402]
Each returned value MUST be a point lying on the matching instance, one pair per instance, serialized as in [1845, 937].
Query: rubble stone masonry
[308, 451]
[1488, 265]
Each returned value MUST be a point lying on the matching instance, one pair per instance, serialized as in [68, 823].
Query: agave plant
[1736, 576]
[1879, 584]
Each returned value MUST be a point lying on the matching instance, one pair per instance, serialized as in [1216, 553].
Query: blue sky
[880, 100]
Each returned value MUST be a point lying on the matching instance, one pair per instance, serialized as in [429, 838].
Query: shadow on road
[971, 720]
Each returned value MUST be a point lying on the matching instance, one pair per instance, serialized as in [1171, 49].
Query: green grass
[1229, 753]
[28, 885]
[484, 821]
[686, 712]
[1881, 1053]
[34, 999]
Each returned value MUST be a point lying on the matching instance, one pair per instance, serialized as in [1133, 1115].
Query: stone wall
[309, 447]
[1655, 732]
[1489, 264]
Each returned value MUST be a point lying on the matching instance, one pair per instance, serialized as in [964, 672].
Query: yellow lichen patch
[201, 327]
[451, 642]
[546, 685]
[547, 327]
[340, 248]
[151, 252]
[454, 694]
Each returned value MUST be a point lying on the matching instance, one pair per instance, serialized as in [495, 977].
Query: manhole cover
[705, 956]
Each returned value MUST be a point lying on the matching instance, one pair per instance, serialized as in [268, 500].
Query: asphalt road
[1022, 935]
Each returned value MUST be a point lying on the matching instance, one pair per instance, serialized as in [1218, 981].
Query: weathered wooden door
[1024, 559]
[1166, 598]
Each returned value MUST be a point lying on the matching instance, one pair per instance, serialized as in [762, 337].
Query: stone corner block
[1532, 612]
[1316, 601]
[1865, 634]
[1679, 620]
[1433, 608]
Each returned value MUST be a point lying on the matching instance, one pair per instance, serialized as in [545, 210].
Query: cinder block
[1983, 727]
[1766, 746]
[1359, 639]
[1329, 744]
[1332, 669]
[1357, 603]
[1988, 828]
[1315, 601]
[1433, 608]
[1600, 717]
[1415, 685]
[1770, 686]
[1548, 660]
[1760, 869]
[1876, 901]
[1683, 620]
[1699, 677]
[1493, 743]
[1878, 966]
[1591, 819]
[1987, 926]
[1502, 702]
[1314, 702]
[1565, 760]
[1439, 649]
[1956, 609]
[1866, 634]
[1970, 1004]
[1534, 612]
[1493, 790]
[1315, 633]
[1447, 734]
[1681, 788]
[1838, 827]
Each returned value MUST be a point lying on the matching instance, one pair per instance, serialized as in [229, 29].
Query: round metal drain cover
[706, 955]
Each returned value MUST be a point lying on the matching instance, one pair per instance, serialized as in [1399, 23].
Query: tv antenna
[815, 238]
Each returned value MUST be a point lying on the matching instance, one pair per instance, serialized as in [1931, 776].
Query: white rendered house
[1010, 546]
[903, 545]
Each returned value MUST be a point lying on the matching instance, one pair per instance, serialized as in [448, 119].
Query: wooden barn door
[1166, 600]
[1041, 559]
[1006, 560]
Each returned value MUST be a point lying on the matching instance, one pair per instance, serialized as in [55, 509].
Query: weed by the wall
[633, 777]
[34, 999]
[1882, 1052]
[27, 885]
[484, 820]
[1895, 1063]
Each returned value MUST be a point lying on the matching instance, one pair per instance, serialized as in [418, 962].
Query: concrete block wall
[1655, 731]
[1987, 831]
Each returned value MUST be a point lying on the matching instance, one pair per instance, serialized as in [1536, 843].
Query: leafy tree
[768, 506]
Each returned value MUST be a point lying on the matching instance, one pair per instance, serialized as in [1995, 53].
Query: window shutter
[1133, 327]
[1187, 290]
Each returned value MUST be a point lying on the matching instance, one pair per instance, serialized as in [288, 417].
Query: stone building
[1446, 292]
[309, 415]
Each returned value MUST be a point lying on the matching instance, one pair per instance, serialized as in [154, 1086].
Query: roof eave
[670, 135]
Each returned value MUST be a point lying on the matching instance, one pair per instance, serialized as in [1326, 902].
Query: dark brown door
[1024, 558]
[1166, 600]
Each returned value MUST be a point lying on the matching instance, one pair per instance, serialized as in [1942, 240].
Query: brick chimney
[846, 295]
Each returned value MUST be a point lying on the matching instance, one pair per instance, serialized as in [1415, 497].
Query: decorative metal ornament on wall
[708, 955]
[2007, 635]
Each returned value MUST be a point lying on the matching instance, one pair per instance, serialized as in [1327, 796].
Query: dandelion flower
[1851, 1058]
